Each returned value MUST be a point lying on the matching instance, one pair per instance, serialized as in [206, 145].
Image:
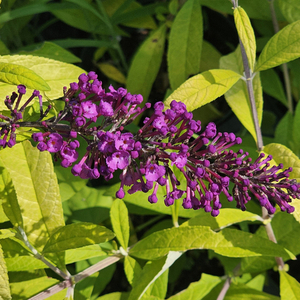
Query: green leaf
[246, 34]
[228, 242]
[17, 74]
[272, 85]
[146, 63]
[284, 155]
[237, 97]
[132, 269]
[284, 132]
[204, 88]
[185, 43]
[151, 271]
[77, 235]
[283, 47]
[53, 51]
[209, 57]
[296, 131]
[55, 73]
[4, 285]
[198, 290]
[227, 217]
[158, 288]
[290, 9]
[114, 296]
[37, 191]
[289, 287]
[120, 222]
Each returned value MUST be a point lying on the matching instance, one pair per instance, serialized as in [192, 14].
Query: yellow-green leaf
[77, 235]
[246, 34]
[237, 97]
[17, 74]
[289, 287]
[204, 88]
[282, 154]
[283, 47]
[132, 269]
[112, 72]
[56, 74]
[146, 64]
[120, 222]
[185, 43]
[4, 285]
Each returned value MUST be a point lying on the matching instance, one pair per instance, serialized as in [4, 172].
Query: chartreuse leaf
[204, 88]
[227, 217]
[114, 296]
[246, 34]
[197, 290]
[56, 74]
[77, 235]
[228, 242]
[159, 287]
[237, 97]
[289, 287]
[36, 188]
[283, 47]
[132, 269]
[185, 42]
[17, 74]
[282, 154]
[120, 222]
[112, 72]
[290, 9]
[146, 63]
[4, 285]
[151, 271]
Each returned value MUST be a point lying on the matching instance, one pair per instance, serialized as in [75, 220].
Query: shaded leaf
[120, 222]
[209, 57]
[73, 236]
[4, 285]
[112, 72]
[185, 43]
[146, 64]
[290, 9]
[204, 88]
[228, 242]
[283, 47]
[246, 34]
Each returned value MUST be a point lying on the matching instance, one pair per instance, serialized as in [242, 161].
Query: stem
[271, 236]
[225, 288]
[286, 76]
[72, 280]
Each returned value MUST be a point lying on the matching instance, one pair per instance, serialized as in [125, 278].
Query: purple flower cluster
[169, 143]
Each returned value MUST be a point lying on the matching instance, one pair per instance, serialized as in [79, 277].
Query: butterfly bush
[169, 143]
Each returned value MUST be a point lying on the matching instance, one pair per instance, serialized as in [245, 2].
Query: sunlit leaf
[283, 47]
[77, 235]
[246, 34]
[204, 88]
[132, 269]
[4, 285]
[112, 72]
[289, 287]
[185, 43]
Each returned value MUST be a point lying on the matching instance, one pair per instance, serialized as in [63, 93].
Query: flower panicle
[169, 143]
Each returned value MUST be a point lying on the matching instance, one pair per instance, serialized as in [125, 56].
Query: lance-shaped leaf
[36, 188]
[237, 97]
[4, 285]
[120, 222]
[16, 74]
[289, 287]
[204, 88]
[246, 34]
[228, 217]
[151, 271]
[77, 235]
[146, 64]
[197, 290]
[228, 242]
[132, 269]
[283, 47]
[55, 73]
[185, 43]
